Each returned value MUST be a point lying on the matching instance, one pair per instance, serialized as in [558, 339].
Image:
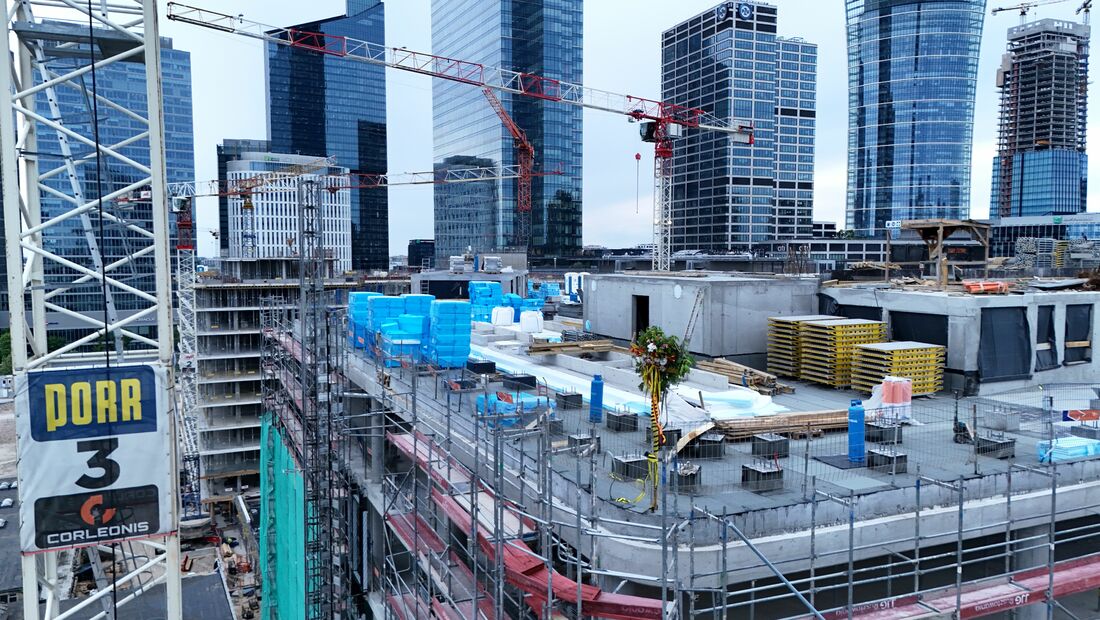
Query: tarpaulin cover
[918, 327]
[1045, 357]
[1005, 350]
[1078, 329]
[828, 305]
[282, 500]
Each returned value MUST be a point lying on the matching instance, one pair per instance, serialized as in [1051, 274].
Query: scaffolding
[302, 384]
[500, 514]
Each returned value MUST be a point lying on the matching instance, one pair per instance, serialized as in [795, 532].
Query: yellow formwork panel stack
[827, 348]
[919, 362]
[784, 333]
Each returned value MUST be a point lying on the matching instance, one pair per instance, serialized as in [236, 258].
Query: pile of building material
[828, 348]
[745, 376]
[919, 362]
[784, 337]
[1046, 253]
[576, 347]
[801, 423]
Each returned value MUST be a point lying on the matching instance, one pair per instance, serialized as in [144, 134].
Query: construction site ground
[7, 439]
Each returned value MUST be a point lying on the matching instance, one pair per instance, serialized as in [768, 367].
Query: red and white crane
[667, 119]
[525, 157]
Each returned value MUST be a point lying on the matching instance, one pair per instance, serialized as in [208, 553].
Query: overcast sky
[621, 53]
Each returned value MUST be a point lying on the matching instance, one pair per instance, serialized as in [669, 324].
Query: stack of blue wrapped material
[384, 308]
[505, 406]
[1068, 448]
[544, 290]
[419, 305]
[449, 333]
[401, 339]
[484, 296]
[520, 305]
[359, 317]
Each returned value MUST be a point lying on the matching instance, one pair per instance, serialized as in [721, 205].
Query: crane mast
[667, 118]
[525, 157]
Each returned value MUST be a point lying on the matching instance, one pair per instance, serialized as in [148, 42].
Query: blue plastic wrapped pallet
[507, 404]
[1068, 448]
[401, 339]
[449, 333]
[384, 308]
[358, 313]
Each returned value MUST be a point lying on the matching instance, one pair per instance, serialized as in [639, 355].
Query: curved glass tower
[912, 69]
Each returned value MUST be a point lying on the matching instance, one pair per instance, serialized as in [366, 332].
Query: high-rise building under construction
[1041, 167]
[534, 36]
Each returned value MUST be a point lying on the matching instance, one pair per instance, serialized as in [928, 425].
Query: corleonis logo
[92, 403]
[86, 518]
[93, 513]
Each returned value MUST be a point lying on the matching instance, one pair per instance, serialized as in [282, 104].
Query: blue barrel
[595, 402]
[857, 446]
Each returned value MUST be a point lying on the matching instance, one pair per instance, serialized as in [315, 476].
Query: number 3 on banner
[99, 460]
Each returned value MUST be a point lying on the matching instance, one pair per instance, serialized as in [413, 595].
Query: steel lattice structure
[43, 279]
[302, 362]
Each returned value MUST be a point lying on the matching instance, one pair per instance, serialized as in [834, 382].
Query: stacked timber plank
[784, 351]
[827, 348]
[783, 423]
[746, 376]
[576, 347]
[919, 362]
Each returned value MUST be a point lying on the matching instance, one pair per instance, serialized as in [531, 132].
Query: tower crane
[525, 156]
[664, 121]
[1086, 8]
[1024, 7]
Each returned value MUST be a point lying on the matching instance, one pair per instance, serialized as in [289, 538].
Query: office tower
[726, 196]
[1041, 167]
[265, 223]
[543, 37]
[912, 72]
[230, 150]
[421, 254]
[322, 105]
[121, 82]
[795, 127]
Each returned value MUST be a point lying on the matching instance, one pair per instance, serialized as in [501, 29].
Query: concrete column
[1031, 552]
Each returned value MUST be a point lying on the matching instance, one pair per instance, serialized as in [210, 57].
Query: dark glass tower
[912, 72]
[1041, 167]
[533, 36]
[327, 106]
[729, 62]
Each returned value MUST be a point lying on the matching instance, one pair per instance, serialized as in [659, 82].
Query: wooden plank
[692, 435]
[784, 423]
[584, 346]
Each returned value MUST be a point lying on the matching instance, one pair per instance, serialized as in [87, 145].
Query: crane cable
[102, 264]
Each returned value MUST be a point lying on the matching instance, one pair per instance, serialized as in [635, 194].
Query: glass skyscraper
[1041, 167]
[912, 71]
[542, 37]
[323, 105]
[729, 62]
[122, 83]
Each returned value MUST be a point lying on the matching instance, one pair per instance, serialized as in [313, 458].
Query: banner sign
[1080, 415]
[94, 456]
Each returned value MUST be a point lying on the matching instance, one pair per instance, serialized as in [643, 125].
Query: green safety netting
[282, 493]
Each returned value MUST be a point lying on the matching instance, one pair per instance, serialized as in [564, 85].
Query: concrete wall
[964, 319]
[733, 319]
